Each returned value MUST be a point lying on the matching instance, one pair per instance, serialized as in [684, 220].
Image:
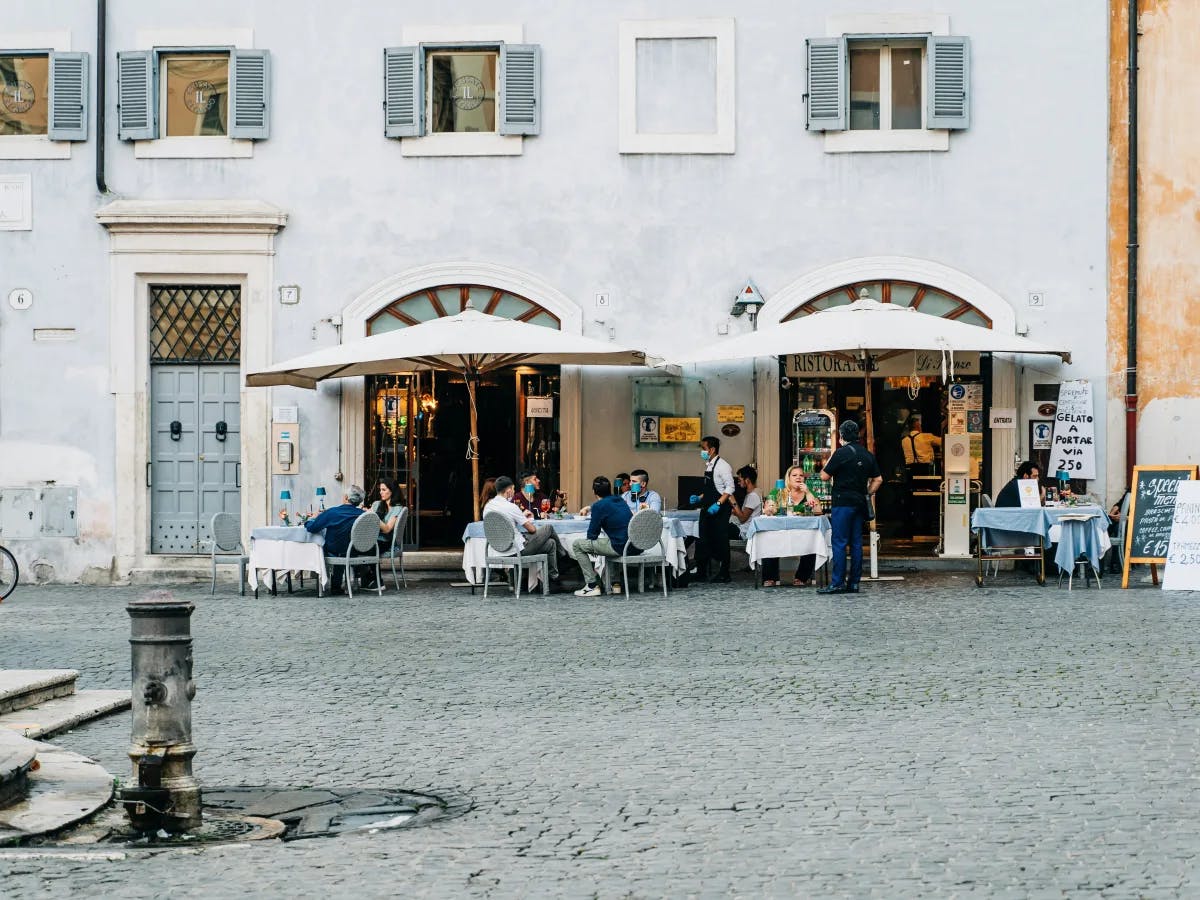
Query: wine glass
[545, 506]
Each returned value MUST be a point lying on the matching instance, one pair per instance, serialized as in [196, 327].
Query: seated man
[1010, 494]
[531, 539]
[530, 498]
[336, 523]
[611, 515]
[639, 495]
[751, 504]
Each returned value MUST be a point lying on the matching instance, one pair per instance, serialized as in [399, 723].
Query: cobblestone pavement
[922, 739]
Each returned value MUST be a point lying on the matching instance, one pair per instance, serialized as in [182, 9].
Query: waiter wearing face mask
[713, 543]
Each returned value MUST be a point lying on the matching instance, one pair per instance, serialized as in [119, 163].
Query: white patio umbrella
[470, 343]
[868, 330]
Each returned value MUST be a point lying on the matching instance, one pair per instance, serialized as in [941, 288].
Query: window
[869, 90]
[195, 94]
[886, 86]
[43, 100]
[25, 94]
[187, 102]
[676, 87]
[462, 91]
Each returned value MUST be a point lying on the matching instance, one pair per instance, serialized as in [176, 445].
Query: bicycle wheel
[8, 573]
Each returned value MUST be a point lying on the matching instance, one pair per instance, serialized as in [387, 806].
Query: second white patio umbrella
[868, 330]
[470, 343]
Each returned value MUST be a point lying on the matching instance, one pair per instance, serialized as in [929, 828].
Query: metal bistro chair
[362, 551]
[502, 553]
[1122, 527]
[395, 550]
[645, 533]
[227, 548]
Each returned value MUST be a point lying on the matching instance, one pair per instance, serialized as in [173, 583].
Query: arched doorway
[417, 424]
[913, 408]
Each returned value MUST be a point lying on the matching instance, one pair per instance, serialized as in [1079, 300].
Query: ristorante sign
[920, 362]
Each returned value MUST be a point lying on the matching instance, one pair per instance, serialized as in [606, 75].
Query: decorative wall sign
[1003, 417]
[18, 98]
[20, 298]
[468, 92]
[922, 362]
[539, 407]
[731, 413]
[680, 430]
[200, 96]
[731, 430]
[648, 430]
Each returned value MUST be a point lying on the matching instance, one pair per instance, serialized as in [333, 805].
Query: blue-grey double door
[195, 447]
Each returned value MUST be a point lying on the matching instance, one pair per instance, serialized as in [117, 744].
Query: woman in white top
[795, 493]
[751, 505]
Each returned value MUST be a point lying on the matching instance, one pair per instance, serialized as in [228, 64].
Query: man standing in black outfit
[713, 537]
[855, 476]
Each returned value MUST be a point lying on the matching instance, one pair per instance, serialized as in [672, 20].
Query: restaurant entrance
[915, 411]
[418, 434]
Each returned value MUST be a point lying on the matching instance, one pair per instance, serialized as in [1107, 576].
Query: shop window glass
[935, 303]
[510, 307]
[24, 94]
[195, 91]
[902, 294]
[971, 317]
[462, 90]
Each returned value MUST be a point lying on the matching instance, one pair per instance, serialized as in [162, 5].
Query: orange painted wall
[1169, 239]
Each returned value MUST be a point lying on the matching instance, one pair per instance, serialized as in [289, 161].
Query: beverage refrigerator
[814, 438]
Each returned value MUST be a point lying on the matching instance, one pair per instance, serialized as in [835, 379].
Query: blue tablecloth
[1013, 526]
[297, 534]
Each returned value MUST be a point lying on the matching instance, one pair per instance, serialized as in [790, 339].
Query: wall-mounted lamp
[748, 300]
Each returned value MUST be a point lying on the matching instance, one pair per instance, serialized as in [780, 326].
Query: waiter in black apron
[713, 543]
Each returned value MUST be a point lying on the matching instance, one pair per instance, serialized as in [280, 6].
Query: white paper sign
[1003, 418]
[1073, 448]
[539, 407]
[648, 430]
[1030, 494]
[1183, 556]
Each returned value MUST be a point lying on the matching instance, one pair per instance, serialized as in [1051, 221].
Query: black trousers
[713, 543]
[804, 571]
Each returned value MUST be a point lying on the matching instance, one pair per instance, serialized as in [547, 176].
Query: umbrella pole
[473, 444]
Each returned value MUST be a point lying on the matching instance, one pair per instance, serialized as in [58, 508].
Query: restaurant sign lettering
[920, 362]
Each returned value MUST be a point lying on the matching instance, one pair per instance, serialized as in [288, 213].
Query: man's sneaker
[588, 590]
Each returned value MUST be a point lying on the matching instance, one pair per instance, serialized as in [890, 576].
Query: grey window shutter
[403, 92]
[828, 84]
[249, 94]
[137, 95]
[520, 89]
[68, 97]
[949, 80]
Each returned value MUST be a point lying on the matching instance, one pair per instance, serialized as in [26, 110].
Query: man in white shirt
[713, 543]
[639, 495]
[531, 539]
[751, 505]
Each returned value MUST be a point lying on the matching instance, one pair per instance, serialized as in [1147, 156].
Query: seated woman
[1010, 494]
[390, 498]
[795, 493]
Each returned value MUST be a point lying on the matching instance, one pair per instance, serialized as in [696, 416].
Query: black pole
[101, 54]
[1131, 400]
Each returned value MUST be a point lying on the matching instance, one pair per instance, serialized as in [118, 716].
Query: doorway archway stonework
[988, 303]
[357, 314]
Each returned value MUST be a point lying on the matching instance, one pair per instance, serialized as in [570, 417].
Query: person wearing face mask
[530, 498]
[639, 495]
[715, 504]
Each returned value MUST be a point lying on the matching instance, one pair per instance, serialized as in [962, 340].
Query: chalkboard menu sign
[1151, 511]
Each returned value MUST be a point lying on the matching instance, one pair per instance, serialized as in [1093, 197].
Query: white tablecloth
[778, 537]
[569, 531]
[286, 549]
[1007, 525]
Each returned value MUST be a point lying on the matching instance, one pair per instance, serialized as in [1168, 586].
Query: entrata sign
[922, 362]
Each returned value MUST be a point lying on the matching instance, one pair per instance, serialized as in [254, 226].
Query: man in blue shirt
[611, 515]
[336, 522]
[639, 495]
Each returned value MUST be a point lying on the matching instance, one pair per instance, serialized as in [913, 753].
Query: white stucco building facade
[634, 166]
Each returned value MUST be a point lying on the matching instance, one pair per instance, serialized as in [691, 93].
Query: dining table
[286, 548]
[1079, 531]
[569, 529]
[780, 537]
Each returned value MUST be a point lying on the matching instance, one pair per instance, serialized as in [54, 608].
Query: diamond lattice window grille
[195, 323]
